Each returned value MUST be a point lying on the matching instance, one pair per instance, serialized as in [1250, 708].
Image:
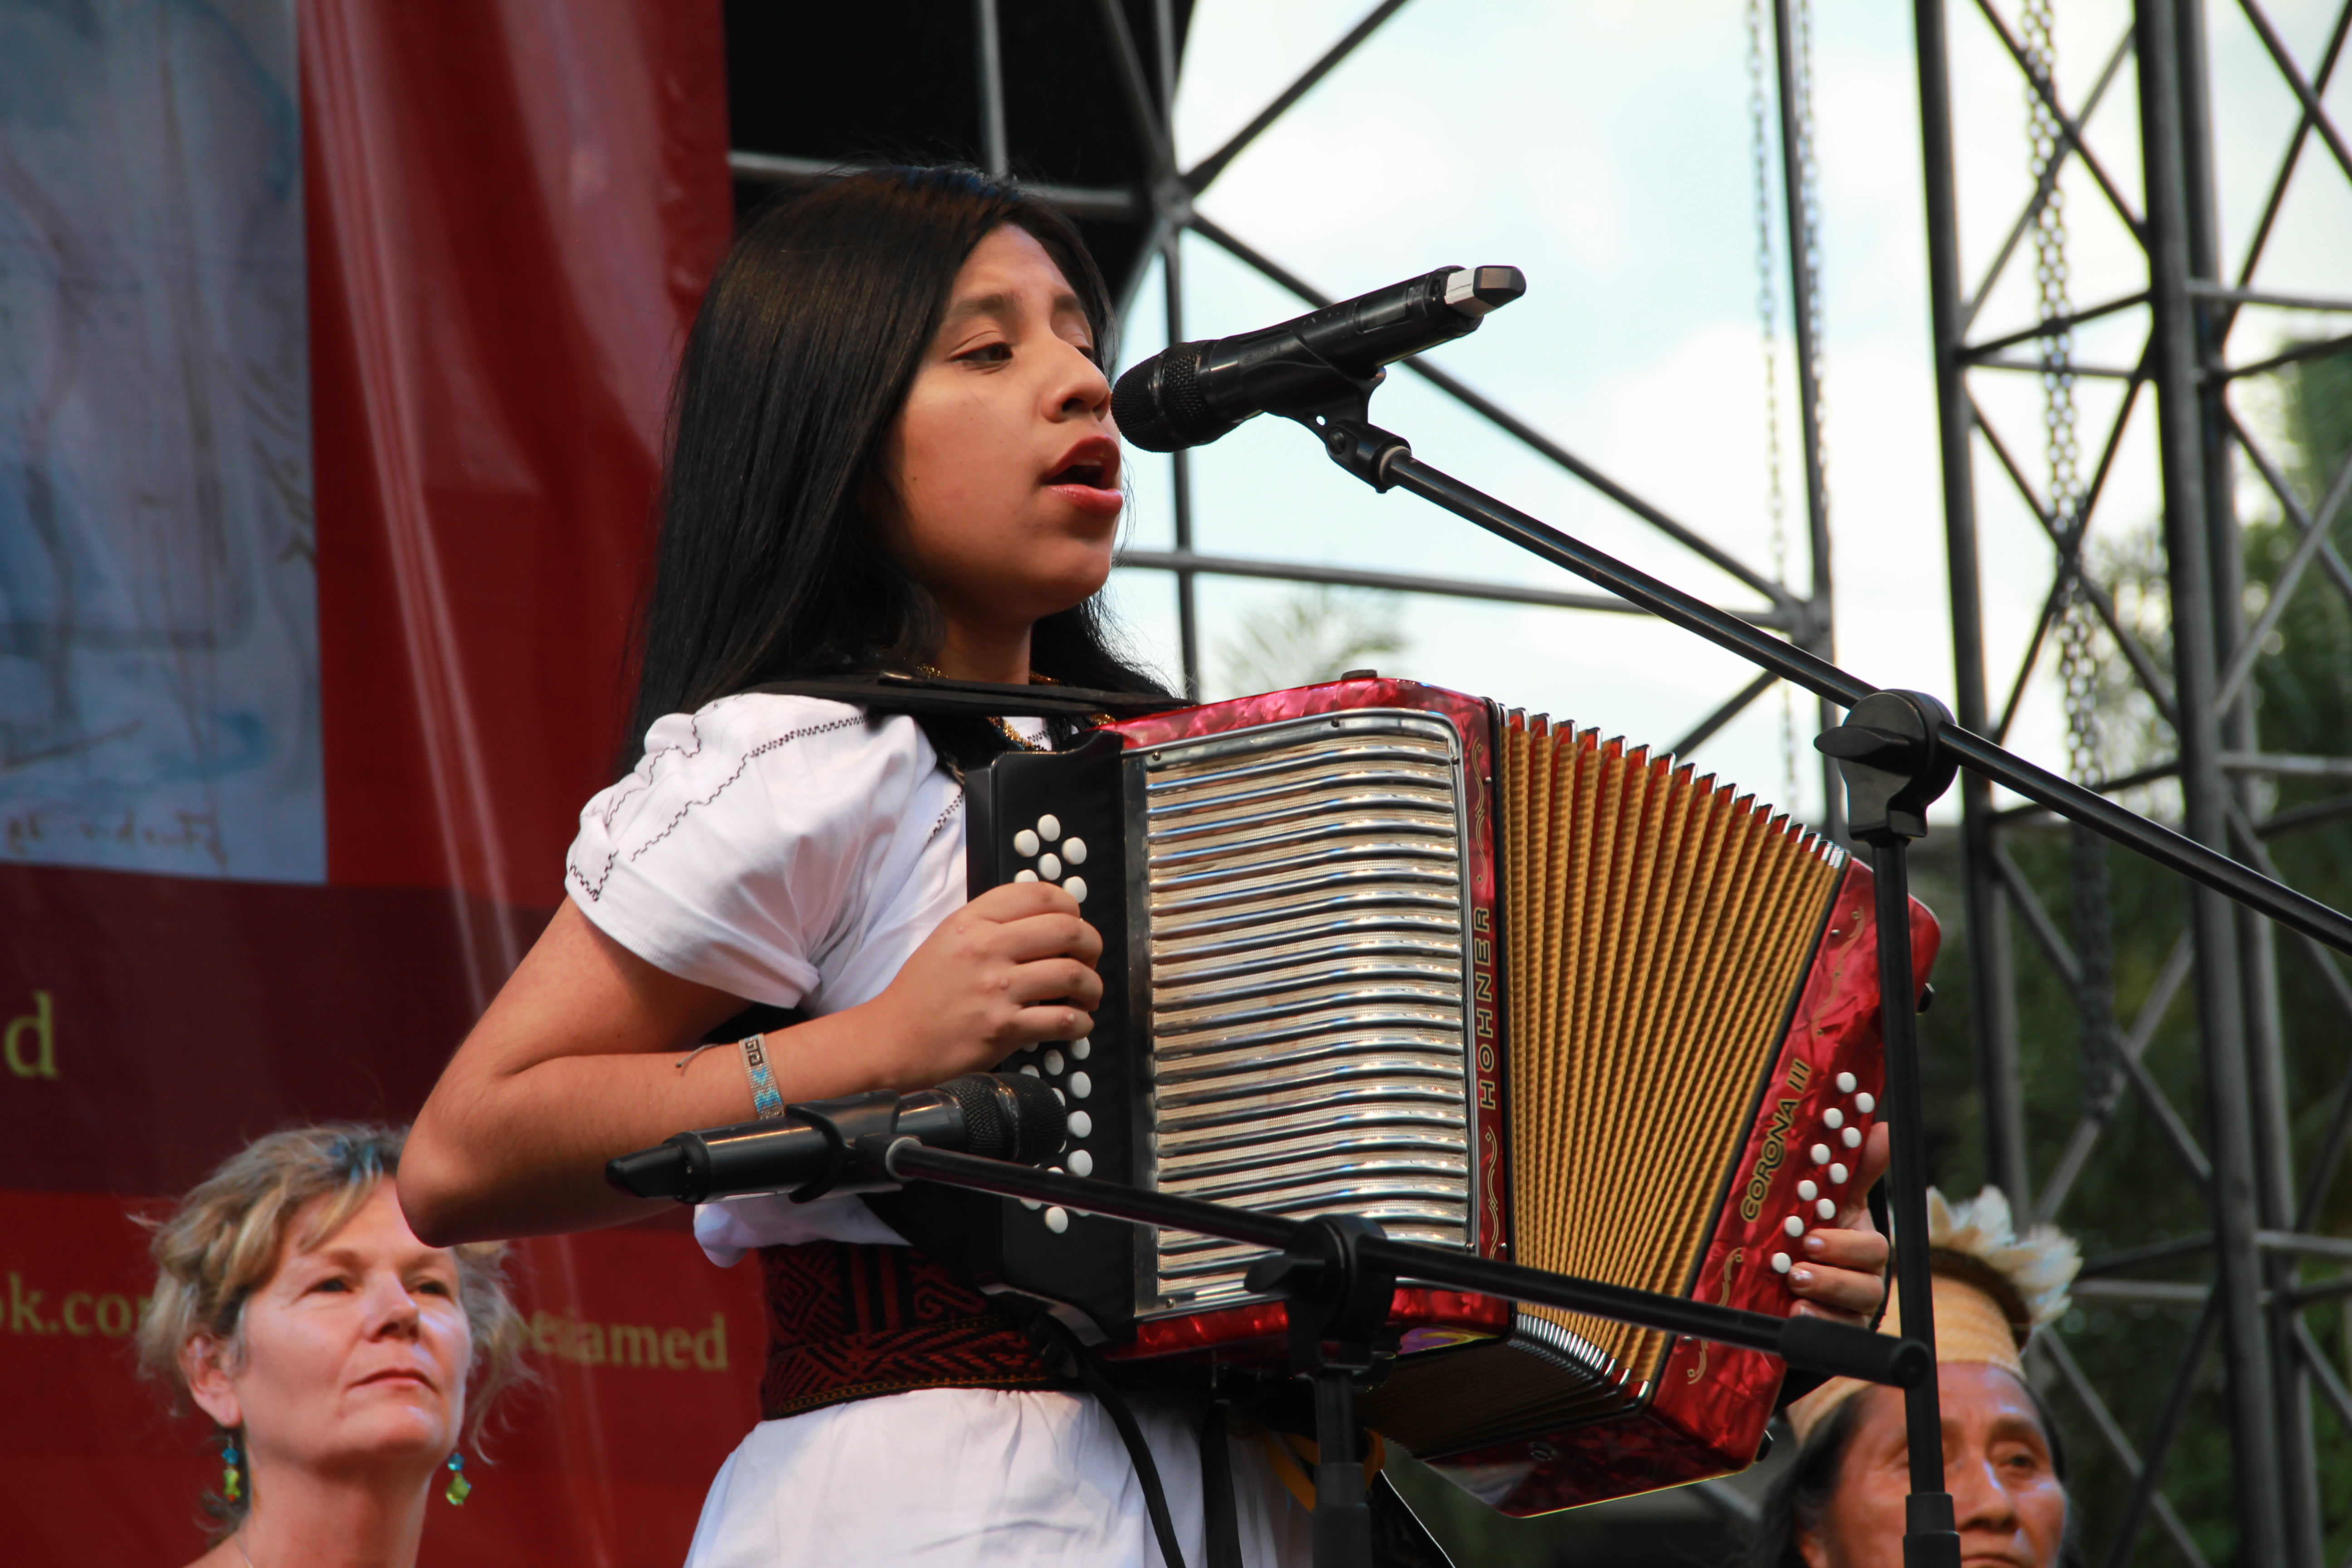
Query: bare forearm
[523, 1153]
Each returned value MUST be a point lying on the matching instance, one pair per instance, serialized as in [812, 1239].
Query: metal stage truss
[1144, 63]
[2258, 1231]
[2189, 297]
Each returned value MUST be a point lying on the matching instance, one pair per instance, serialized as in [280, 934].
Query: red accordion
[1375, 948]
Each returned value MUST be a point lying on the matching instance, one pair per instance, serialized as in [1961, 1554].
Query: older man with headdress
[1841, 1505]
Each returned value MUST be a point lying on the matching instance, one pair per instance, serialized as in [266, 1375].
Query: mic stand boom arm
[1385, 461]
[1337, 1274]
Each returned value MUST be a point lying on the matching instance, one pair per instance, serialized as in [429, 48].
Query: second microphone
[836, 1145]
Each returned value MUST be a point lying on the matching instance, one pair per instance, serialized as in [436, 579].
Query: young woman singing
[892, 450]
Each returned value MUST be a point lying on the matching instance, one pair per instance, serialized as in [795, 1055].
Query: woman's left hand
[1841, 1272]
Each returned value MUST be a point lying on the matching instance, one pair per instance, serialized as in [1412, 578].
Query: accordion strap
[889, 692]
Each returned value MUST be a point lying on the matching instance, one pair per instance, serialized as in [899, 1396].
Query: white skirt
[959, 1476]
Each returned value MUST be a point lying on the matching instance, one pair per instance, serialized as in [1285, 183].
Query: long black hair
[766, 566]
[1800, 1499]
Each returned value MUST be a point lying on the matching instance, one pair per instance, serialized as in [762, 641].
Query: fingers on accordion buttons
[1025, 875]
[1081, 1162]
[1793, 1225]
[1809, 1189]
[1058, 1220]
[1780, 1259]
[1049, 827]
[1865, 1104]
[1851, 1137]
[1081, 1126]
[1076, 888]
[1838, 1173]
[1074, 850]
[1835, 1118]
[1846, 1081]
[1081, 1086]
[1821, 1154]
[1024, 844]
[1825, 1208]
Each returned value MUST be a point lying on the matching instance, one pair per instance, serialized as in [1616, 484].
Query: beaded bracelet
[766, 1103]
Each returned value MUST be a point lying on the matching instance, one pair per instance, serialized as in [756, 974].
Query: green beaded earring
[232, 1478]
[459, 1487]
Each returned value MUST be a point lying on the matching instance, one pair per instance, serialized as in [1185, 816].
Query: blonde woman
[338, 1357]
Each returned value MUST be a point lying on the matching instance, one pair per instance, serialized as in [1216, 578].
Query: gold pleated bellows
[1655, 930]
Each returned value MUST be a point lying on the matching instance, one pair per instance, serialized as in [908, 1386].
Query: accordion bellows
[1657, 926]
[1372, 947]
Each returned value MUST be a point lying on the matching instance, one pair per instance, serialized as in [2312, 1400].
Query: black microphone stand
[1337, 1276]
[1898, 750]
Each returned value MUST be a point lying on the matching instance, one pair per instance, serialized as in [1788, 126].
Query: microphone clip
[1338, 407]
[1358, 445]
[858, 1130]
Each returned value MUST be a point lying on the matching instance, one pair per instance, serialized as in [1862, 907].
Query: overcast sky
[1605, 148]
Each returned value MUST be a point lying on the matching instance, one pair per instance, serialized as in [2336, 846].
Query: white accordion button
[1807, 1190]
[1081, 1086]
[1074, 850]
[1838, 1174]
[1833, 1117]
[1826, 1209]
[1058, 1220]
[1031, 1204]
[1793, 1225]
[1780, 1259]
[1076, 888]
[1024, 843]
[1845, 1083]
[1049, 827]
[1059, 1098]
[1081, 1162]
[1821, 1156]
[1054, 1063]
[1025, 875]
[1865, 1104]
[1050, 868]
[1078, 1049]
[1029, 1069]
[1851, 1137]
[1081, 1126]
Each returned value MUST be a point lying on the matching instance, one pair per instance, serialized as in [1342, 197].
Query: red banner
[487, 225]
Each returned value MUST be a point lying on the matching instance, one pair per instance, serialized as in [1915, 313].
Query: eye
[332, 1282]
[987, 353]
[433, 1287]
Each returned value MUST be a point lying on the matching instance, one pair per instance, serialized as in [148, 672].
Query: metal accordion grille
[1304, 897]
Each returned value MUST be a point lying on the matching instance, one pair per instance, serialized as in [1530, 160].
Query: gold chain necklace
[1020, 741]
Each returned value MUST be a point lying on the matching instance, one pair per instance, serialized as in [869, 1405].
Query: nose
[391, 1311]
[1978, 1500]
[1079, 388]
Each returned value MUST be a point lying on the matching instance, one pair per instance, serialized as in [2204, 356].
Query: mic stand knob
[1338, 1309]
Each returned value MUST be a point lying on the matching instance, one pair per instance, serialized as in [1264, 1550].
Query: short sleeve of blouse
[744, 840]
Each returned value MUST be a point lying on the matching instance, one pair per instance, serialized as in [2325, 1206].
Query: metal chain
[1767, 321]
[2078, 669]
[1808, 196]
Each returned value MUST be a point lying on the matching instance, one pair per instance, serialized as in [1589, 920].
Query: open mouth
[1092, 463]
[1097, 474]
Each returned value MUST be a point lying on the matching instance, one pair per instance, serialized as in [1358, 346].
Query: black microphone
[836, 1145]
[1187, 395]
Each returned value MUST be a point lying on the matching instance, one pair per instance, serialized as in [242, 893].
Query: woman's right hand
[1013, 967]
